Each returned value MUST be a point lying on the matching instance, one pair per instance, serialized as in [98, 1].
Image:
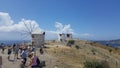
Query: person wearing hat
[33, 62]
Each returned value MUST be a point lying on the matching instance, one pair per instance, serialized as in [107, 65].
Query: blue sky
[89, 19]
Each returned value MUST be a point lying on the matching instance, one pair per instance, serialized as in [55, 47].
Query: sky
[85, 19]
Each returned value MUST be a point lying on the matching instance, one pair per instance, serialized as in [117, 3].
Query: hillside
[58, 55]
[82, 51]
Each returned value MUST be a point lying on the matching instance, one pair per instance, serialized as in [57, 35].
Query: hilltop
[82, 51]
[58, 55]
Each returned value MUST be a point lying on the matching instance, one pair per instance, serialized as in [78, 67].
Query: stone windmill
[34, 33]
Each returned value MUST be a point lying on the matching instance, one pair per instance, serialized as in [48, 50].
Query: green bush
[110, 50]
[70, 42]
[93, 64]
[77, 47]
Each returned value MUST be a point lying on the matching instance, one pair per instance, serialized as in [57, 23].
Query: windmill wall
[38, 39]
[64, 37]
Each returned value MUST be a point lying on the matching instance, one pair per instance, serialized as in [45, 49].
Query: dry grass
[70, 57]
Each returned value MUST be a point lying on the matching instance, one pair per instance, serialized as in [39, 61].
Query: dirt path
[49, 60]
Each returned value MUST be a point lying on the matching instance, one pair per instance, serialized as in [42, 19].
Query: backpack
[40, 64]
[38, 61]
[41, 51]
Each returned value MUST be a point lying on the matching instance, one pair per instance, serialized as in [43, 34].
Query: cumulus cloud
[87, 35]
[63, 28]
[5, 19]
[28, 26]
[23, 27]
[60, 28]
[8, 25]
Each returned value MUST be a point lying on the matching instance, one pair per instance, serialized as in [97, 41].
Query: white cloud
[50, 35]
[84, 36]
[5, 19]
[28, 25]
[8, 25]
[63, 28]
[60, 28]
[87, 35]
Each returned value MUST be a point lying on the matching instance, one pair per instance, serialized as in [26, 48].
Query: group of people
[24, 52]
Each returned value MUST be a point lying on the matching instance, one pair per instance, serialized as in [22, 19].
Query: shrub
[93, 64]
[116, 48]
[91, 43]
[93, 51]
[70, 42]
[110, 50]
[77, 47]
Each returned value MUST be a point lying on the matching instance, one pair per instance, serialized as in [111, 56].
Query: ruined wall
[64, 37]
[38, 39]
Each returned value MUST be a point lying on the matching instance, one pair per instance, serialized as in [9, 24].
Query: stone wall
[38, 39]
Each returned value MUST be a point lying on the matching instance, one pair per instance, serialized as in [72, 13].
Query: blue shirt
[24, 54]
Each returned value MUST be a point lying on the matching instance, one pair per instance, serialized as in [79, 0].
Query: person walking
[24, 55]
[9, 52]
[16, 49]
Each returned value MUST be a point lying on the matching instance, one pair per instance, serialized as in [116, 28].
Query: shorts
[9, 52]
[24, 60]
[16, 52]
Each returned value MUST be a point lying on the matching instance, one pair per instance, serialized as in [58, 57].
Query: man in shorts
[9, 52]
[16, 52]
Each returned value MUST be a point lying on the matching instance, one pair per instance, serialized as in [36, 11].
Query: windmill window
[68, 35]
[60, 34]
[43, 33]
[33, 43]
[33, 36]
[61, 40]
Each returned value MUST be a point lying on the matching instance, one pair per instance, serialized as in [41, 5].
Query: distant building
[69, 36]
[38, 39]
[64, 37]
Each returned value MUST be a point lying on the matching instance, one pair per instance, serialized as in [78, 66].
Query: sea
[11, 42]
[106, 43]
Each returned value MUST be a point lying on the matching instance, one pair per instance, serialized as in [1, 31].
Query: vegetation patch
[93, 51]
[77, 47]
[94, 64]
[70, 42]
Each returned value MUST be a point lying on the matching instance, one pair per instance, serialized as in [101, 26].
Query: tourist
[33, 60]
[3, 49]
[16, 50]
[9, 52]
[24, 55]
[34, 50]
[41, 50]
[22, 64]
